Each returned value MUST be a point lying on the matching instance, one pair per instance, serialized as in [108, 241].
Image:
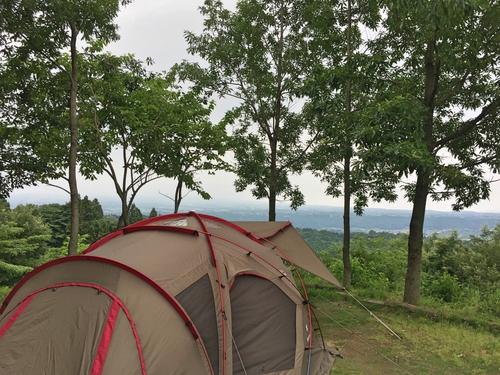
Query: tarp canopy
[175, 294]
[285, 236]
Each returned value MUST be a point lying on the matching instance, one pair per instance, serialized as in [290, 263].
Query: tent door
[263, 326]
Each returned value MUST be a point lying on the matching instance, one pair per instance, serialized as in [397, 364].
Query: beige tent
[175, 294]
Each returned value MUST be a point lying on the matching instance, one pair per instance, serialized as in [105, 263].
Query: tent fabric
[175, 294]
[286, 237]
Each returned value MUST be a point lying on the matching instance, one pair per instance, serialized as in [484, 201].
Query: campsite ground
[426, 346]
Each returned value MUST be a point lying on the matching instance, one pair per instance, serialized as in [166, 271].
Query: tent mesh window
[263, 327]
[176, 223]
[198, 301]
[212, 224]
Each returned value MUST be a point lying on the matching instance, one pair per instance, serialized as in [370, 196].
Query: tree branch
[469, 125]
[453, 91]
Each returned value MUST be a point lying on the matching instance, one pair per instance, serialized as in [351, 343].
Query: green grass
[427, 346]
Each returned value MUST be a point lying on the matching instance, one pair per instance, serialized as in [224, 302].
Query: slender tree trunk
[274, 135]
[415, 241]
[73, 149]
[178, 196]
[273, 179]
[123, 220]
[346, 248]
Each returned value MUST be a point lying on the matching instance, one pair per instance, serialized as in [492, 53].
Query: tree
[42, 31]
[135, 214]
[153, 213]
[259, 54]
[159, 130]
[184, 141]
[438, 117]
[93, 224]
[114, 101]
[338, 92]
[23, 240]
[56, 216]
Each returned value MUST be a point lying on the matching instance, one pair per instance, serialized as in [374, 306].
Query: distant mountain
[330, 218]
[315, 217]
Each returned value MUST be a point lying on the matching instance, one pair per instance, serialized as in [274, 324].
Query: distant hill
[317, 217]
[330, 218]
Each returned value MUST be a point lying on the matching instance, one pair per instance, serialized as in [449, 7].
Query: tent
[175, 294]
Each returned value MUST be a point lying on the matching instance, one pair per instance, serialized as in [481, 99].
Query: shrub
[445, 288]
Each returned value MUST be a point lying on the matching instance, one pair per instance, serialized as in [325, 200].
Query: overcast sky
[155, 28]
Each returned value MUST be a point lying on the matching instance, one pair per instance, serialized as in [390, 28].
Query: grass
[436, 347]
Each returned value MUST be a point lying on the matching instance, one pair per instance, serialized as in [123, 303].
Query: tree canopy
[259, 54]
[145, 119]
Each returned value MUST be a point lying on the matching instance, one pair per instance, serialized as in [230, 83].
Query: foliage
[377, 264]
[436, 114]
[319, 240]
[458, 275]
[61, 252]
[18, 167]
[33, 124]
[4, 292]
[444, 287]
[93, 224]
[135, 214]
[153, 213]
[466, 272]
[259, 54]
[23, 241]
[57, 218]
[160, 130]
[39, 34]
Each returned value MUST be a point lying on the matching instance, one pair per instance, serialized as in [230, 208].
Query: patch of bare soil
[361, 356]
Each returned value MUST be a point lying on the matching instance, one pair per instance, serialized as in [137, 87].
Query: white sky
[154, 28]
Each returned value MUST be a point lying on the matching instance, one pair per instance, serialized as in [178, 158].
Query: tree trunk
[178, 196]
[273, 178]
[274, 134]
[416, 235]
[123, 220]
[415, 241]
[73, 149]
[346, 248]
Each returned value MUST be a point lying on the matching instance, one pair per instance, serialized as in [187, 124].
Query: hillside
[330, 218]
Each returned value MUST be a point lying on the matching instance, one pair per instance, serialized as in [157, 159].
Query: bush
[445, 288]
[457, 274]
